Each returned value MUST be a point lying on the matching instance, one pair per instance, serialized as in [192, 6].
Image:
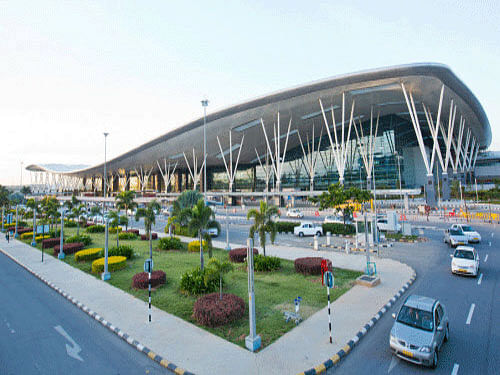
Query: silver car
[419, 331]
[455, 237]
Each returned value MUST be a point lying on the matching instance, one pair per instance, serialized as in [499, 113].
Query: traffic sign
[316, 213]
[328, 279]
[148, 265]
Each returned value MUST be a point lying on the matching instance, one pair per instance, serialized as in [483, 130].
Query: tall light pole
[105, 187]
[105, 275]
[399, 173]
[204, 103]
[61, 254]
[21, 175]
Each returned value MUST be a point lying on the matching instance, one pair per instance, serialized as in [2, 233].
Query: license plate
[408, 353]
[461, 270]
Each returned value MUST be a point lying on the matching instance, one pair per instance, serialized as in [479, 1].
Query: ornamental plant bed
[135, 231]
[211, 311]
[154, 236]
[310, 265]
[141, 279]
[68, 248]
[239, 255]
[50, 242]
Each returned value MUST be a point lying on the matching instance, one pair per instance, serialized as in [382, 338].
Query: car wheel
[301, 234]
[318, 234]
[434, 359]
[447, 334]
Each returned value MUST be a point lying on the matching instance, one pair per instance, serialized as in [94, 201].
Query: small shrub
[286, 226]
[50, 242]
[21, 231]
[86, 240]
[154, 236]
[194, 246]
[113, 230]
[96, 228]
[41, 237]
[266, 263]
[69, 248]
[127, 236]
[310, 265]
[87, 254]
[168, 243]
[211, 311]
[55, 233]
[70, 224]
[141, 279]
[25, 235]
[182, 231]
[337, 228]
[135, 231]
[115, 263]
[195, 282]
[239, 255]
[124, 250]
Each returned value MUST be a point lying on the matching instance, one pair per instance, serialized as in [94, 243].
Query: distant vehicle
[454, 237]
[382, 224]
[472, 235]
[465, 261]
[336, 219]
[213, 232]
[294, 212]
[307, 228]
[213, 203]
[421, 327]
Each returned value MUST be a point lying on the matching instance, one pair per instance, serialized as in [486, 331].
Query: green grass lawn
[274, 291]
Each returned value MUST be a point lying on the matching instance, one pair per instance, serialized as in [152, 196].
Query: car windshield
[456, 232]
[463, 254]
[467, 228]
[416, 318]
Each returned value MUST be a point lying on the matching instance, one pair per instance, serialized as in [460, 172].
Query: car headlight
[425, 349]
[393, 339]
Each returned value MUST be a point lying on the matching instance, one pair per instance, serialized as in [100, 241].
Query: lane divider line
[455, 369]
[471, 311]
[480, 279]
[486, 258]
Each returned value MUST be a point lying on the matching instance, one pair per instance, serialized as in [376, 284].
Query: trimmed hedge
[194, 282]
[25, 235]
[239, 255]
[86, 240]
[69, 248]
[135, 231]
[21, 231]
[70, 224]
[167, 243]
[337, 228]
[266, 263]
[96, 228]
[50, 242]
[87, 254]
[115, 263]
[154, 236]
[194, 246]
[310, 265]
[124, 250]
[286, 226]
[113, 230]
[127, 236]
[41, 237]
[141, 280]
[211, 311]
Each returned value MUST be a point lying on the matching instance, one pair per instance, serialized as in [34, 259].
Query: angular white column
[195, 173]
[167, 173]
[367, 148]
[311, 157]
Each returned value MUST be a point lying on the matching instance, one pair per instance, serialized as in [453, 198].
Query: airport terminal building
[411, 127]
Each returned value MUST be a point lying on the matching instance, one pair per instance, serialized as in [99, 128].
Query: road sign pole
[329, 314]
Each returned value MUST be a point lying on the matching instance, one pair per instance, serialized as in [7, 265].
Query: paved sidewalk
[201, 352]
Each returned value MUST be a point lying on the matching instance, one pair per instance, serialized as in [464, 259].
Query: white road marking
[72, 350]
[471, 311]
[486, 258]
[480, 279]
[455, 369]
[394, 363]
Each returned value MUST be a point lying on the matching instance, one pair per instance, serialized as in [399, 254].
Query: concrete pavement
[201, 352]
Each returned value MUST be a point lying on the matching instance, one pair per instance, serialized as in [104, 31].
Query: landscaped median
[275, 290]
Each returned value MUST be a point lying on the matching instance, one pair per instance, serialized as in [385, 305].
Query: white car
[465, 261]
[336, 219]
[383, 225]
[455, 237]
[307, 228]
[294, 212]
[213, 232]
[472, 235]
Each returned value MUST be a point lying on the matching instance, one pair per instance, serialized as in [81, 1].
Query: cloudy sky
[137, 69]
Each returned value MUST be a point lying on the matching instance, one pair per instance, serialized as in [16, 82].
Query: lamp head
[105, 134]
[204, 102]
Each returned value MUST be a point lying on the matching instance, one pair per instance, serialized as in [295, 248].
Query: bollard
[328, 238]
[316, 242]
[346, 247]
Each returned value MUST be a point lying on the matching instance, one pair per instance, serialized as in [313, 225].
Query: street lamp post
[33, 243]
[105, 275]
[204, 103]
[399, 174]
[17, 219]
[105, 187]
[61, 235]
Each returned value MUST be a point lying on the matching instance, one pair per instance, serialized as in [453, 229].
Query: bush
[141, 279]
[154, 236]
[115, 263]
[96, 228]
[21, 231]
[87, 254]
[55, 233]
[182, 231]
[124, 250]
[211, 311]
[193, 282]
[25, 235]
[127, 236]
[135, 231]
[266, 263]
[86, 240]
[194, 246]
[337, 228]
[239, 255]
[69, 248]
[286, 226]
[168, 243]
[41, 237]
[113, 230]
[50, 242]
[310, 265]
[70, 224]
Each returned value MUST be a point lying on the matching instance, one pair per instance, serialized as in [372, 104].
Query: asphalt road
[37, 325]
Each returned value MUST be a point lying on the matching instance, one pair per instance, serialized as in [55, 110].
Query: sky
[71, 70]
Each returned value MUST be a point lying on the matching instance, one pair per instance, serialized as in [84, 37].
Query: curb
[329, 363]
[134, 343]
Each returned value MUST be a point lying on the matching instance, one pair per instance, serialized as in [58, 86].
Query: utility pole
[204, 103]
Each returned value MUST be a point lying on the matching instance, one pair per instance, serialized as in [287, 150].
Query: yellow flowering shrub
[114, 263]
[87, 254]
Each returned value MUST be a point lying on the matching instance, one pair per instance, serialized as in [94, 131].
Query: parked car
[294, 212]
[213, 232]
[336, 219]
[454, 237]
[421, 327]
[472, 235]
[382, 224]
[465, 261]
[307, 228]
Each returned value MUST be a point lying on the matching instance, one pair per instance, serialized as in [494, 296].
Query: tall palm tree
[33, 205]
[78, 212]
[200, 218]
[149, 214]
[114, 220]
[125, 201]
[262, 223]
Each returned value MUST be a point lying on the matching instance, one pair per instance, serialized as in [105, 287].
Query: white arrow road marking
[455, 369]
[480, 279]
[471, 311]
[394, 362]
[486, 258]
[71, 350]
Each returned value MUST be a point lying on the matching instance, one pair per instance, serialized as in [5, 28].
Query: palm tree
[51, 206]
[114, 219]
[149, 214]
[200, 218]
[125, 200]
[124, 221]
[262, 223]
[78, 212]
[216, 267]
[33, 205]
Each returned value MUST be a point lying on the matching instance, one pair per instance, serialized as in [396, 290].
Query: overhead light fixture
[235, 147]
[369, 90]
[247, 125]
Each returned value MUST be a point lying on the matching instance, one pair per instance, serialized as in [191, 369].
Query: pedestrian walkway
[201, 352]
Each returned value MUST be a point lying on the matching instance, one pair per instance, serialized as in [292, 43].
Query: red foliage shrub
[210, 311]
[239, 255]
[24, 230]
[13, 229]
[140, 280]
[135, 231]
[149, 195]
[50, 242]
[310, 265]
[69, 248]
[154, 236]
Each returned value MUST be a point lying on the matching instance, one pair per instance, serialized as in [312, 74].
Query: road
[43, 333]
